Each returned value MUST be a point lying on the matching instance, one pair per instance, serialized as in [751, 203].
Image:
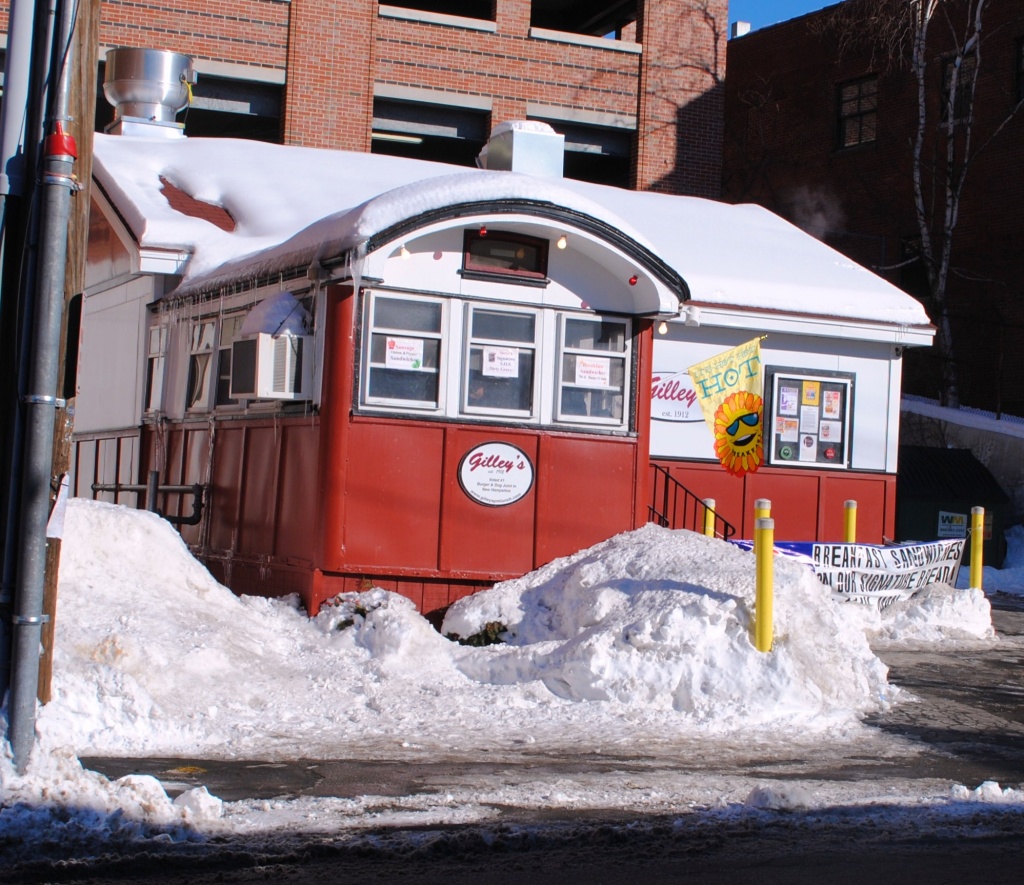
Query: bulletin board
[810, 418]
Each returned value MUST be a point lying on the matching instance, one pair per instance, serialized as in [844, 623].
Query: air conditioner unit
[268, 367]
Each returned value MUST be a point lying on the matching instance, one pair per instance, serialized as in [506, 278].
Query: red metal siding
[392, 485]
[807, 505]
[585, 493]
[477, 539]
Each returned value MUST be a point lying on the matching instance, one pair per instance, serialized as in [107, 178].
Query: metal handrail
[674, 506]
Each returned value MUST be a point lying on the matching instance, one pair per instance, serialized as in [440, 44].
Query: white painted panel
[876, 385]
[110, 366]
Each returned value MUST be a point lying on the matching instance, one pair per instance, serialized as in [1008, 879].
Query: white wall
[111, 358]
[875, 366]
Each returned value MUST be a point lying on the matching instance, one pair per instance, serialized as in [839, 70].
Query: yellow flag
[729, 390]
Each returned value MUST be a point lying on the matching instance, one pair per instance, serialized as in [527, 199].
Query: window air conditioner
[265, 367]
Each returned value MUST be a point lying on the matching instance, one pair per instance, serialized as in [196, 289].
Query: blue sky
[761, 13]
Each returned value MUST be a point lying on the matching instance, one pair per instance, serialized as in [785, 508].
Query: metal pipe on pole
[28, 65]
[40, 398]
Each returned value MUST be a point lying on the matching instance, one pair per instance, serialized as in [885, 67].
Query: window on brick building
[964, 86]
[858, 112]
[482, 9]
[600, 154]
[422, 131]
[611, 18]
[1020, 69]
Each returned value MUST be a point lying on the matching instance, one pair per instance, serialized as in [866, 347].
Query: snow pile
[934, 613]
[58, 804]
[664, 619]
[1009, 578]
[643, 640]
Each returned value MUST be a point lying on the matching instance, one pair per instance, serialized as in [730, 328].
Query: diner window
[156, 359]
[229, 328]
[858, 112]
[500, 254]
[403, 340]
[200, 364]
[593, 370]
[500, 357]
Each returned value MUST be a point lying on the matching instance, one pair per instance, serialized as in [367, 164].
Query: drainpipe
[14, 160]
[59, 154]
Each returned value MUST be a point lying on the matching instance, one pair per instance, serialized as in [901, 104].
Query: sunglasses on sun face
[750, 419]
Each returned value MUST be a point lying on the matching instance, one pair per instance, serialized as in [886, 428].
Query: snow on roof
[292, 204]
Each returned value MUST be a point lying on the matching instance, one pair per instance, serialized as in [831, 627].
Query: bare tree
[948, 136]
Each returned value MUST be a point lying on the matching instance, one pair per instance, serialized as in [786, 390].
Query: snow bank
[664, 619]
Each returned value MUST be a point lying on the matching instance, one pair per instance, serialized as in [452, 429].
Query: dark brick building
[635, 86]
[824, 136]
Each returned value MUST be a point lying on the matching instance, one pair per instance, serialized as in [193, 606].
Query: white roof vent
[527, 146]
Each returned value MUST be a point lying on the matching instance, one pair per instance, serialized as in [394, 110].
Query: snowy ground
[638, 648]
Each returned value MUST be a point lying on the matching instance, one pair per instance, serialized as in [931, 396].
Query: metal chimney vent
[147, 88]
[528, 146]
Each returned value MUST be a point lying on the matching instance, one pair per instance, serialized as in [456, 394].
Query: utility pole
[40, 397]
[81, 113]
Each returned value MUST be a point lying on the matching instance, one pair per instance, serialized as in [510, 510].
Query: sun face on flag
[729, 388]
[739, 432]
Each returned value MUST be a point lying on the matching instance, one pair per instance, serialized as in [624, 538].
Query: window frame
[199, 391]
[777, 407]
[156, 367]
[454, 365]
[473, 270]
[963, 102]
[367, 363]
[470, 341]
[1020, 70]
[860, 114]
[624, 357]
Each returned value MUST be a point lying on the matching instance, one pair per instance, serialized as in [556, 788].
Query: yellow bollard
[850, 522]
[764, 541]
[709, 517]
[977, 544]
[762, 510]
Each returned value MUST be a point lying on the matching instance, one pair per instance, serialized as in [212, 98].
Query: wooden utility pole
[82, 110]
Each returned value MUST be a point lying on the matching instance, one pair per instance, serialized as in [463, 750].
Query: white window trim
[370, 330]
[453, 365]
[625, 356]
[468, 342]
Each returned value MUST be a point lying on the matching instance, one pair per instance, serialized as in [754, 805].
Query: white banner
[867, 573]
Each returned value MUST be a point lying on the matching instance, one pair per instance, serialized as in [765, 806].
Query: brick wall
[332, 52]
[681, 95]
[781, 151]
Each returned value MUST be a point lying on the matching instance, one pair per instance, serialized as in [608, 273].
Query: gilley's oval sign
[495, 474]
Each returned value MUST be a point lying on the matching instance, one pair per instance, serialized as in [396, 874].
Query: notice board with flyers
[810, 418]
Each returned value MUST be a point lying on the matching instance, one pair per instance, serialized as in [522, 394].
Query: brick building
[824, 137]
[636, 87]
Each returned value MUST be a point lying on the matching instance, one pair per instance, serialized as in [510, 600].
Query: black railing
[674, 506]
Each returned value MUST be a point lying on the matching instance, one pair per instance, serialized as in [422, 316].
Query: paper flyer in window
[831, 431]
[500, 362]
[808, 448]
[787, 429]
[832, 404]
[808, 419]
[812, 393]
[789, 399]
[593, 371]
[404, 353]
